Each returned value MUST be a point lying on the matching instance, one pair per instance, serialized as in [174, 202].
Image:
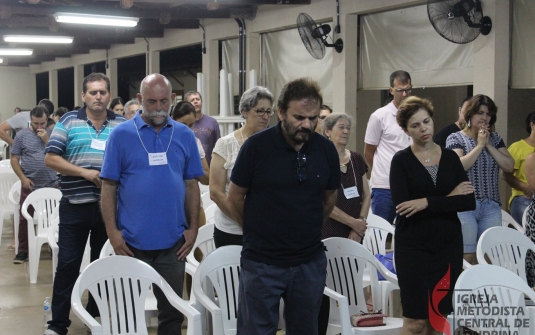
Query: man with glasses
[324, 112]
[283, 186]
[384, 137]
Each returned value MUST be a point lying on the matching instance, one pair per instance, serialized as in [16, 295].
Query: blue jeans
[518, 206]
[261, 288]
[382, 204]
[76, 222]
[166, 263]
[487, 214]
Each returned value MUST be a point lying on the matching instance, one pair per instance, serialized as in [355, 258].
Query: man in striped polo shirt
[75, 150]
[28, 162]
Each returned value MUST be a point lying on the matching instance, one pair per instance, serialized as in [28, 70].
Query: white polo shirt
[384, 132]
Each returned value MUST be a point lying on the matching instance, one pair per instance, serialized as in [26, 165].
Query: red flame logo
[437, 320]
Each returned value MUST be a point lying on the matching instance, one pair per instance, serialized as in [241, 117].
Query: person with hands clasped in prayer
[429, 186]
[483, 154]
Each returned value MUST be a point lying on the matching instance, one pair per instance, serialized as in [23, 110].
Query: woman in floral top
[483, 154]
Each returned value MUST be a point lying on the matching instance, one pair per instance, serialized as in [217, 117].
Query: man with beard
[150, 197]
[206, 128]
[75, 150]
[283, 186]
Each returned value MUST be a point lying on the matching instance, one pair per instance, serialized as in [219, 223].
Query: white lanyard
[351, 192]
[157, 158]
[95, 142]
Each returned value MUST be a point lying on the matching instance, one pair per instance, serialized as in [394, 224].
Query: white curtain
[404, 39]
[230, 61]
[523, 49]
[285, 58]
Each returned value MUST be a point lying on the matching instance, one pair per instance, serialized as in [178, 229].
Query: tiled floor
[21, 303]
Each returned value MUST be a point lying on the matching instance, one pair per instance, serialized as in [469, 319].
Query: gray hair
[250, 98]
[330, 121]
[134, 101]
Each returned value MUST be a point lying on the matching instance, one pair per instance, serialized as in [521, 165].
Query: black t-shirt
[442, 135]
[283, 217]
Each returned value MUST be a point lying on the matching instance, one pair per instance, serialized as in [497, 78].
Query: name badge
[158, 158]
[351, 192]
[98, 144]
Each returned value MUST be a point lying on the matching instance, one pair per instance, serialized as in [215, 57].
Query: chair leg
[1, 226]
[34, 266]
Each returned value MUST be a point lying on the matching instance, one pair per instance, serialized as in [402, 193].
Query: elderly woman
[256, 108]
[348, 219]
[184, 112]
[429, 186]
[483, 154]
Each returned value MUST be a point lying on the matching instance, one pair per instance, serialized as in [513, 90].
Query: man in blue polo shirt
[75, 150]
[283, 186]
[150, 197]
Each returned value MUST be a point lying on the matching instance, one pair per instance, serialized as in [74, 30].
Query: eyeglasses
[322, 117]
[407, 90]
[261, 111]
[301, 171]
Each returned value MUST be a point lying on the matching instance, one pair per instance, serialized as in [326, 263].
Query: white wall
[17, 89]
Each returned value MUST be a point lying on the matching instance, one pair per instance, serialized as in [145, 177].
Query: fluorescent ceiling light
[101, 20]
[37, 39]
[15, 52]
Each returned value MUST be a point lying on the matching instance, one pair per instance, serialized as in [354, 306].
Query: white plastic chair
[151, 304]
[7, 179]
[43, 201]
[120, 286]
[209, 212]
[3, 148]
[5, 162]
[14, 198]
[506, 248]
[489, 286]
[376, 234]
[206, 201]
[220, 272]
[205, 243]
[346, 262]
[204, 188]
[507, 220]
[53, 244]
[375, 241]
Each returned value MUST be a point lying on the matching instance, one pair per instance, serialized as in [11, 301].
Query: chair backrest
[209, 212]
[3, 148]
[53, 229]
[205, 243]
[43, 201]
[119, 286]
[505, 247]
[376, 234]
[206, 201]
[7, 180]
[220, 272]
[485, 291]
[14, 193]
[507, 220]
[346, 263]
[5, 162]
[107, 250]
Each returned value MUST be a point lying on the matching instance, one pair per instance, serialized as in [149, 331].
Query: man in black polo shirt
[283, 186]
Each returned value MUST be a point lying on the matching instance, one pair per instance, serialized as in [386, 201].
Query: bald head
[156, 98]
